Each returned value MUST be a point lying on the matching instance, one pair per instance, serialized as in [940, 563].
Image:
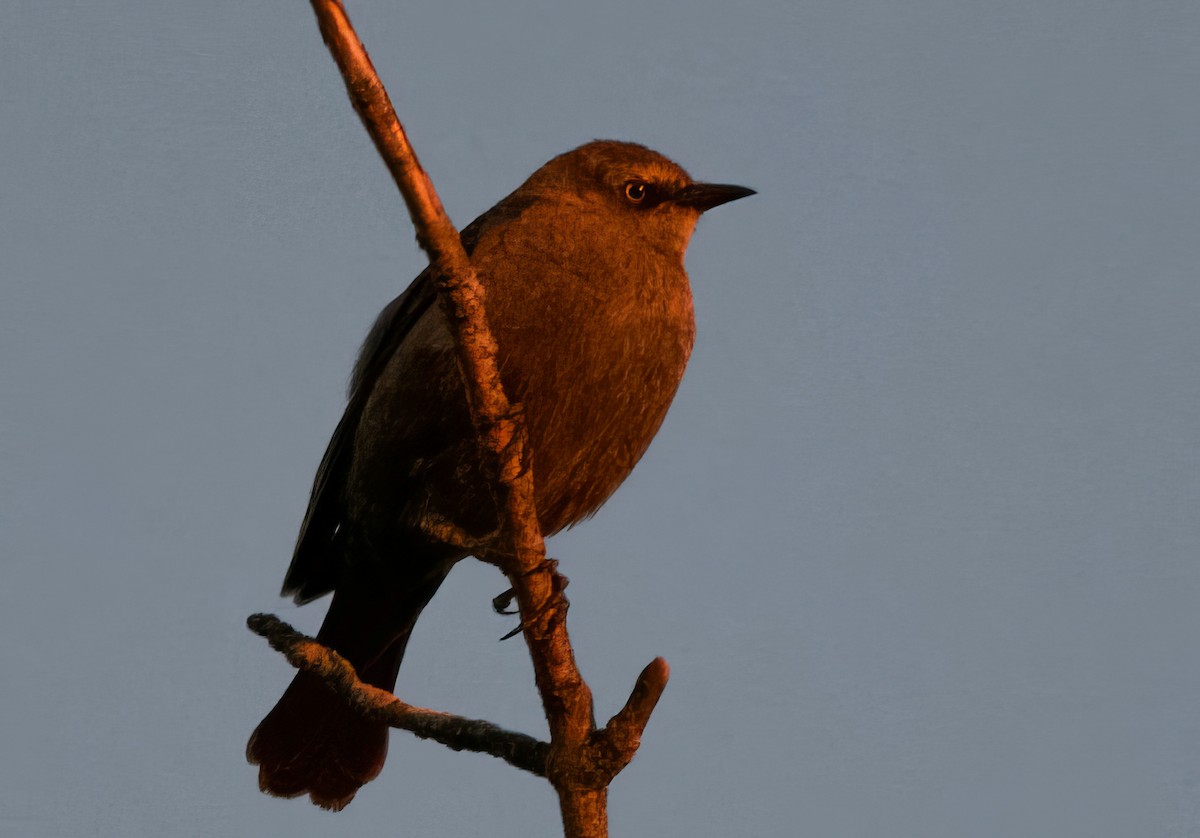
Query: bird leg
[442, 529]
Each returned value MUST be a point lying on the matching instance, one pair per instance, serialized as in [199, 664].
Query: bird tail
[313, 742]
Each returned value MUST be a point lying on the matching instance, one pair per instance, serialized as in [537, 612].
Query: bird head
[632, 190]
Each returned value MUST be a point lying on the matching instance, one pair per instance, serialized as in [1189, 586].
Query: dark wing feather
[316, 561]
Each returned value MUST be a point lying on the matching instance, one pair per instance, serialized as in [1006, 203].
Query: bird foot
[501, 602]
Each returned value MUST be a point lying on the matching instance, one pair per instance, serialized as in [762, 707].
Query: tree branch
[580, 761]
[455, 732]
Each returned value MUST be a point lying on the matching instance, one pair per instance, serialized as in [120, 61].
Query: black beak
[705, 196]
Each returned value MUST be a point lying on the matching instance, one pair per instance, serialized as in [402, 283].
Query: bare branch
[580, 761]
[565, 697]
[614, 746]
[624, 730]
[455, 732]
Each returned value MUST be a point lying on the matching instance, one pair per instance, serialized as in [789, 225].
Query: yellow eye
[636, 191]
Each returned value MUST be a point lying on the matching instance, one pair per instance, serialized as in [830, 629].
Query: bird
[590, 305]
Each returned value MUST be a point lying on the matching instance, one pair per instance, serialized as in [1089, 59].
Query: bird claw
[520, 628]
[502, 601]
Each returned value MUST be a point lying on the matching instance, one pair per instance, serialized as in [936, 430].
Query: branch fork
[607, 750]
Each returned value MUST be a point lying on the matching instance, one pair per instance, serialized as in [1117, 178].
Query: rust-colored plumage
[590, 306]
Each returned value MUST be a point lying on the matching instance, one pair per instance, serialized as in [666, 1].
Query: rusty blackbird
[591, 309]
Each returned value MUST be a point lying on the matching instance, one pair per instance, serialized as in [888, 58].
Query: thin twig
[456, 732]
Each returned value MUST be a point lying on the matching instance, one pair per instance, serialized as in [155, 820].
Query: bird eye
[636, 191]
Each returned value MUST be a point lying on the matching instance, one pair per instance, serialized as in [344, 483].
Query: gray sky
[919, 537]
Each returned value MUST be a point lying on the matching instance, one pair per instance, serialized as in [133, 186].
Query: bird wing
[316, 561]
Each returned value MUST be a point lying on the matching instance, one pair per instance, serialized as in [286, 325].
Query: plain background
[919, 537]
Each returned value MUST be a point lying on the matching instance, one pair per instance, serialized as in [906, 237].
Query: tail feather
[313, 742]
